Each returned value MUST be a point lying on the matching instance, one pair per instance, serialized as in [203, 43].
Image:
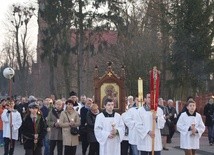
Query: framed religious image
[110, 90]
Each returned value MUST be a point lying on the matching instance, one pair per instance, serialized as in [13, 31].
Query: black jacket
[83, 113]
[27, 130]
[90, 119]
[208, 112]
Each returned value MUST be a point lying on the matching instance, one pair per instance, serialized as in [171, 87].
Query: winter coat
[208, 112]
[83, 123]
[55, 132]
[90, 120]
[68, 138]
[27, 130]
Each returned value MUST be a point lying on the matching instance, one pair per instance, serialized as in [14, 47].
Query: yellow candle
[140, 89]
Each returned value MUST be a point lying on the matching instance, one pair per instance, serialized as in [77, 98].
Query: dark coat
[90, 119]
[44, 111]
[208, 112]
[27, 130]
[83, 114]
[20, 107]
[173, 115]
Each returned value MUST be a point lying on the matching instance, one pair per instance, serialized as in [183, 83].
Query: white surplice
[102, 129]
[129, 118]
[187, 140]
[16, 123]
[144, 125]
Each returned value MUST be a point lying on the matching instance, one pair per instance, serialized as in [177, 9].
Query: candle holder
[113, 125]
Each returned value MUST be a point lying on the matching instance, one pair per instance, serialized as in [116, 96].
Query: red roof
[95, 38]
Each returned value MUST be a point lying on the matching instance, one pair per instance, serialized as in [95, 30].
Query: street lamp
[8, 74]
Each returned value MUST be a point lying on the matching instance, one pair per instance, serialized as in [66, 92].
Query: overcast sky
[5, 8]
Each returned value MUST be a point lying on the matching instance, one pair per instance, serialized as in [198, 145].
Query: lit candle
[113, 125]
[140, 90]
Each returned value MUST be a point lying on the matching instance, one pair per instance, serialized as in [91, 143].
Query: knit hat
[33, 105]
[32, 98]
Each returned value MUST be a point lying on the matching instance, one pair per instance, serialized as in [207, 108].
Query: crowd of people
[62, 124]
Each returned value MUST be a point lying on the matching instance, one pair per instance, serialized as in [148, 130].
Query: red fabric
[154, 88]
[1, 123]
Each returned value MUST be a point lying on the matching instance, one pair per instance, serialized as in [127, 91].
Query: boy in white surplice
[109, 129]
[191, 126]
[144, 130]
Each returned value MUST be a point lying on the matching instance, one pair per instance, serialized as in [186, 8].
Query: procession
[107, 77]
[145, 127]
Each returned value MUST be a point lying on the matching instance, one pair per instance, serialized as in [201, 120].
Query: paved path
[205, 148]
[174, 149]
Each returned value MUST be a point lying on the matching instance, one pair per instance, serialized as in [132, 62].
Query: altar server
[144, 128]
[109, 129]
[191, 127]
[130, 121]
[12, 121]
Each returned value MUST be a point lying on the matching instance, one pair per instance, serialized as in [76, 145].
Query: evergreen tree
[192, 32]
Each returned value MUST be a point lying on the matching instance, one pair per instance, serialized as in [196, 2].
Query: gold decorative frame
[110, 90]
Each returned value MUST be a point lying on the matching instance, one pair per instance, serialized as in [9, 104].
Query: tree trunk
[80, 50]
[51, 77]
[67, 77]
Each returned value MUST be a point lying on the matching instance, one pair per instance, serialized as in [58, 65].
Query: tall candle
[140, 89]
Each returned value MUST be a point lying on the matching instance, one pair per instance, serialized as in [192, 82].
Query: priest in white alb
[109, 130]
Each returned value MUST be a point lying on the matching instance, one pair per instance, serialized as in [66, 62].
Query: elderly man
[172, 119]
[83, 129]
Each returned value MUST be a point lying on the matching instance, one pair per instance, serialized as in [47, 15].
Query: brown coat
[68, 138]
[55, 132]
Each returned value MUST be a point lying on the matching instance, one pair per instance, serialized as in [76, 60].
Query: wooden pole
[11, 127]
[10, 89]
[153, 122]
[153, 131]
[11, 123]
[154, 90]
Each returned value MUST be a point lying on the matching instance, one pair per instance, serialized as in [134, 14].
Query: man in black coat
[83, 127]
[209, 114]
[90, 120]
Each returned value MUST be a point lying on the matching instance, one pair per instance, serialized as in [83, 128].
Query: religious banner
[154, 88]
[112, 86]
[154, 95]
[110, 90]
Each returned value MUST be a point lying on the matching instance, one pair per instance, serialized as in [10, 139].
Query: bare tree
[17, 47]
